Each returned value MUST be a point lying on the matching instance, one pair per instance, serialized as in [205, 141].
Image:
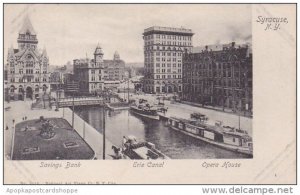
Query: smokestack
[232, 44]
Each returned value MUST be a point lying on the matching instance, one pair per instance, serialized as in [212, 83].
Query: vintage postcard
[149, 93]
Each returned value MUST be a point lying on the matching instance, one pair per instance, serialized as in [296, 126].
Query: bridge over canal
[79, 101]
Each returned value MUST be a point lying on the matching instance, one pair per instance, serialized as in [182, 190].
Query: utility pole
[73, 112]
[124, 93]
[13, 140]
[128, 90]
[103, 129]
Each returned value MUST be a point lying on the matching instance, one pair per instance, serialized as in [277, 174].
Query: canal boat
[137, 150]
[145, 109]
[225, 137]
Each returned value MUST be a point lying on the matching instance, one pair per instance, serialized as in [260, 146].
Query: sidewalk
[18, 110]
[220, 109]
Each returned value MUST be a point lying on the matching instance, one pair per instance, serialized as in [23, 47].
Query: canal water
[172, 143]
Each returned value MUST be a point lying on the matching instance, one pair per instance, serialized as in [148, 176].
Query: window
[157, 76]
[157, 65]
[21, 71]
[233, 139]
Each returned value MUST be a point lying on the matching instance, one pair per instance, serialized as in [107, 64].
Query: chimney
[206, 47]
[232, 44]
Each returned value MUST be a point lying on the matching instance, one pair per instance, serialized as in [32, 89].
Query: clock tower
[98, 56]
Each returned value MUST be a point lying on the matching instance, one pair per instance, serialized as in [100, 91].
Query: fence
[89, 134]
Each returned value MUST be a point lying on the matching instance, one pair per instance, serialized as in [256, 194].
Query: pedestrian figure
[6, 128]
[25, 117]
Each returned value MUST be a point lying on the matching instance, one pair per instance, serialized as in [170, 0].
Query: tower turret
[116, 56]
[98, 54]
[27, 36]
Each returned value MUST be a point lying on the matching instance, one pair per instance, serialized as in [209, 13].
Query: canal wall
[93, 137]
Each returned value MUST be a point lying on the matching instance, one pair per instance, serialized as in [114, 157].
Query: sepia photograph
[93, 87]
[127, 88]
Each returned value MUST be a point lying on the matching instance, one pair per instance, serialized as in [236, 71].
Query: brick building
[219, 75]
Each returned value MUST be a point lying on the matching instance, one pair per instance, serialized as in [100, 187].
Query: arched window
[12, 89]
[20, 89]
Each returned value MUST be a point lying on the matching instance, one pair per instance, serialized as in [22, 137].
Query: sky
[73, 31]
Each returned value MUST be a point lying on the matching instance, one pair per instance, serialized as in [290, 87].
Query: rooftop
[168, 29]
[220, 47]
[27, 27]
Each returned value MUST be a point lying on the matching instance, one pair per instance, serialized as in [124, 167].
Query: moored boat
[145, 109]
[138, 150]
[222, 136]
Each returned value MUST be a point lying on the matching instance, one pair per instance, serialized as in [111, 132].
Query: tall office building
[163, 50]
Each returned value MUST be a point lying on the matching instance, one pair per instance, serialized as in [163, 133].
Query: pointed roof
[27, 26]
[11, 50]
[116, 56]
[44, 53]
[98, 50]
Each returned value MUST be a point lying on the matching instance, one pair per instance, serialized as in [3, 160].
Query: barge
[222, 136]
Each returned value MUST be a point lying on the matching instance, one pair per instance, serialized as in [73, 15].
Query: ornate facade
[163, 49]
[27, 66]
[219, 76]
[91, 74]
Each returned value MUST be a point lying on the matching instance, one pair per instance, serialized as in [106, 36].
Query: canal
[172, 143]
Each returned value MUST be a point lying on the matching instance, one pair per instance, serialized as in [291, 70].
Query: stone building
[114, 69]
[163, 49]
[91, 74]
[27, 66]
[219, 75]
